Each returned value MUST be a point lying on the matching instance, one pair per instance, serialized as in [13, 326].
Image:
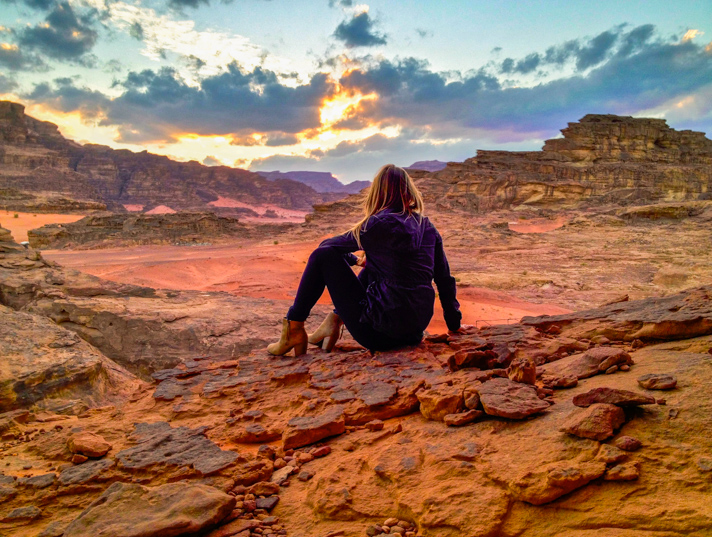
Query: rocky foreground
[122, 417]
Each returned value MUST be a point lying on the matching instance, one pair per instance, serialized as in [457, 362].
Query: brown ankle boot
[328, 332]
[293, 337]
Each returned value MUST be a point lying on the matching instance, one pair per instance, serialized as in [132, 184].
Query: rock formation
[601, 159]
[35, 158]
[109, 229]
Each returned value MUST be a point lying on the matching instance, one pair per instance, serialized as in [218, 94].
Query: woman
[391, 302]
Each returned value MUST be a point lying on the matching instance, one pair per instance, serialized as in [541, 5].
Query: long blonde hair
[392, 187]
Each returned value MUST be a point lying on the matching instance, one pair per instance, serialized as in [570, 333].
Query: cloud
[64, 35]
[43, 5]
[343, 3]
[12, 58]
[212, 161]
[159, 106]
[7, 84]
[640, 74]
[358, 31]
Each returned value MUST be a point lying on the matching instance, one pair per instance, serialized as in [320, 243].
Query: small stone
[462, 418]
[305, 475]
[624, 367]
[263, 488]
[279, 463]
[611, 369]
[267, 452]
[78, 458]
[611, 454]
[704, 464]
[661, 401]
[390, 522]
[322, 451]
[522, 370]
[270, 520]
[397, 529]
[657, 381]
[375, 425]
[249, 505]
[436, 403]
[597, 422]
[267, 503]
[627, 471]
[627, 443]
[472, 400]
[304, 458]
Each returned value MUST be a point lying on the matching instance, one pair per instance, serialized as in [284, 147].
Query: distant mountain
[322, 182]
[36, 158]
[428, 165]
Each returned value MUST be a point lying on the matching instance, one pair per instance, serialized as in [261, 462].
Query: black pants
[328, 268]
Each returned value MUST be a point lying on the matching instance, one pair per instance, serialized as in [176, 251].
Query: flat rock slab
[507, 399]
[612, 396]
[305, 430]
[597, 422]
[657, 382]
[83, 473]
[88, 444]
[441, 401]
[546, 485]
[132, 510]
[592, 362]
[161, 444]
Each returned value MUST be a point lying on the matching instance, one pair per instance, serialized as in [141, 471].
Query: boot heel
[328, 343]
[300, 348]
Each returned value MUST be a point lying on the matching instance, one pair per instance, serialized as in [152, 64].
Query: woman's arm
[446, 287]
[345, 244]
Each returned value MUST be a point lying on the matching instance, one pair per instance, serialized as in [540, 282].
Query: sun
[339, 106]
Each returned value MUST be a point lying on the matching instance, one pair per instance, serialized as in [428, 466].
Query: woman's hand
[463, 329]
[361, 260]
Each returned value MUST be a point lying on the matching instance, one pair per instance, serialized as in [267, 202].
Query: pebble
[375, 425]
[322, 451]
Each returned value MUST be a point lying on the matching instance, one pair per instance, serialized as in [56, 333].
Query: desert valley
[138, 398]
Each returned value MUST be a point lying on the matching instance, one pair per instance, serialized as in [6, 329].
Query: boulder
[598, 421]
[627, 443]
[132, 510]
[592, 362]
[612, 396]
[436, 403]
[306, 430]
[508, 399]
[88, 444]
[657, 381]
[522, 370]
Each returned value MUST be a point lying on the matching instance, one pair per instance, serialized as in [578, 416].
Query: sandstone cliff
[601, 159]
[36, 158]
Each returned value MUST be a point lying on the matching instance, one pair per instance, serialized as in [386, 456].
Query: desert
[216, 274]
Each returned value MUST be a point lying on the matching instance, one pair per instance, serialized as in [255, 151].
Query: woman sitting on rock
[391, 302]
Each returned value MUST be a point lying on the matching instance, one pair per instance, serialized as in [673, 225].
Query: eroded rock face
[170, 510]
[43, 361]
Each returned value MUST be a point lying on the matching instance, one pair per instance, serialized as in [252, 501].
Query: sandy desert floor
[25, 221]
[260, 270]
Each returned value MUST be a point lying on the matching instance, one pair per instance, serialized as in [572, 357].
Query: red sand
[262, 271]
[161, 209]
[25, 221]
[537, 226]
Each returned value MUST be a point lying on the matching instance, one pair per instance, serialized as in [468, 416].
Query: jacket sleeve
[446, 287]
[345, 244]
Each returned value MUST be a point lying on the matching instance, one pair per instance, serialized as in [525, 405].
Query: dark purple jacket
[403, 257]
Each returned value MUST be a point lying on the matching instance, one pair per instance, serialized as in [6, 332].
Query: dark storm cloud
[157, 106]
[65, 35]
[64, 96]
[14, 59]
[358, 31]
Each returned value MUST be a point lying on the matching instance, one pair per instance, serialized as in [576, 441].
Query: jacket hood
[401, 232]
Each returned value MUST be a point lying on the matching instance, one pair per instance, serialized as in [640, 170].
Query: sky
[345, 87]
